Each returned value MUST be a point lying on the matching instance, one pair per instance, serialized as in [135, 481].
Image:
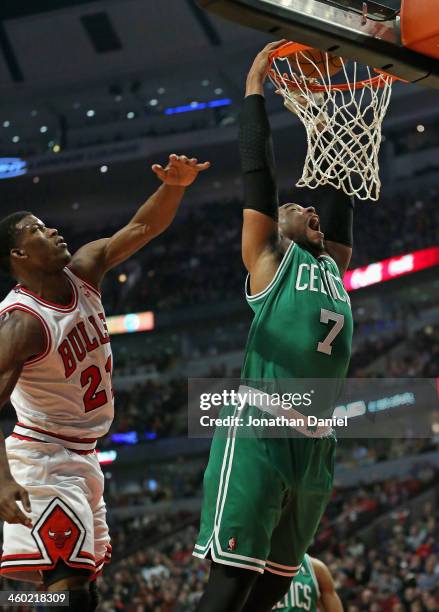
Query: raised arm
[336, 220]
[260, 227]
[21, 337]
[93, 260]
[329, 600]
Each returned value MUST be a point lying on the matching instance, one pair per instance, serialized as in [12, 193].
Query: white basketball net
[343, 127]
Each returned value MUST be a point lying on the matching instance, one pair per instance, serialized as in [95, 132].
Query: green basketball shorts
[264, 499]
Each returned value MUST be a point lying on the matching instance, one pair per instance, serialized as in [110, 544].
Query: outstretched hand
[10, 512]
[180, 171]
[261, 65]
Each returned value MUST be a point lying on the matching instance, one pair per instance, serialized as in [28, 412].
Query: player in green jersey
[264, 497]
[312, 590]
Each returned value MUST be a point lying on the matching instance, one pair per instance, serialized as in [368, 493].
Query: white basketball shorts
[68, 511]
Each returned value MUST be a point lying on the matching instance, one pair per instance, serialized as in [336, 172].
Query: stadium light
[11, 167]
[194, 106]
[106, 457]
[126, 437]
[388, 269]
[130, 323]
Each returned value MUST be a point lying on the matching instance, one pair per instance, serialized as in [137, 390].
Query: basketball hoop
[342, 119]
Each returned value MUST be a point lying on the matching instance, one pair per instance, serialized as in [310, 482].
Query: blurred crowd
[156, 404]
[369, 451]
[420, 357]
[166, 578]
[152, 407]
[396, 565]
[382, 556]
[394, 570]
[197, 261]
[165, 482]
[183, 478]
[351, 509]
[393, 227]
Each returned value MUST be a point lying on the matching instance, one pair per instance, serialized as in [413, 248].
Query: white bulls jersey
[65, 395]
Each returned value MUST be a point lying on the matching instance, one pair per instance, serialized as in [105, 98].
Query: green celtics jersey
[302, 325]
[304, 593]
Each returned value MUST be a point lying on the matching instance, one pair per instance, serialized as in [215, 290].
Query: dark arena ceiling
[81, 73]
[60, 59]
[64, 43]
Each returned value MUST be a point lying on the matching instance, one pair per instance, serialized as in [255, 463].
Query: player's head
[301, 225]
[27, 245]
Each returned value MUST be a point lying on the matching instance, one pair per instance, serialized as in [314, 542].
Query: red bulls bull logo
[59, 534]
[60, 537]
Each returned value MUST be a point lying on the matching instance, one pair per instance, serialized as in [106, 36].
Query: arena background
[93, 93]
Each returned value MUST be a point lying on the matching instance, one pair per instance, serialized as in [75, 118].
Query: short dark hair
[8, 232]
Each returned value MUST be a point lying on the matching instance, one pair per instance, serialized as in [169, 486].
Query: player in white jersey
[55, 366]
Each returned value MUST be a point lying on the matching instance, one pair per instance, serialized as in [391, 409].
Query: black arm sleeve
[257, 159]
[336, 215]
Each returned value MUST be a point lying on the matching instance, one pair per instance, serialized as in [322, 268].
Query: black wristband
[337, 216]
[257, 159]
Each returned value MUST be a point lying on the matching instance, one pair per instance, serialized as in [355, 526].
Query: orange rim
[288, 49]
[291, 48]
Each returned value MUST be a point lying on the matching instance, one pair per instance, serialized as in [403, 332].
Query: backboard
[369, 32]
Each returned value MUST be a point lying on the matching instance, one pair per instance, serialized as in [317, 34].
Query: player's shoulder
[326, 256]
[21, 334]
[331, 263]
[16, 321]
[314, 561]
[86, 263]
[321, 571]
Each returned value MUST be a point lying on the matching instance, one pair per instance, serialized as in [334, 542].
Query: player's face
[39, 247]
[301, 225]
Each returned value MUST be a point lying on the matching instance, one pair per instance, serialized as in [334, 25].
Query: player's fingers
[203, 166]
[183, 158]
[173, 157]
[275, 44]
[158, 170]
[12, 513]
[193, 161]
[24, 497]
[22, 518]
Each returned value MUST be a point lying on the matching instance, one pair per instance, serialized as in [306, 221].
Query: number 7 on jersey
[327, 316]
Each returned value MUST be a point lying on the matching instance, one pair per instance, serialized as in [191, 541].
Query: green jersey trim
[269, 287]
[329, 258]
